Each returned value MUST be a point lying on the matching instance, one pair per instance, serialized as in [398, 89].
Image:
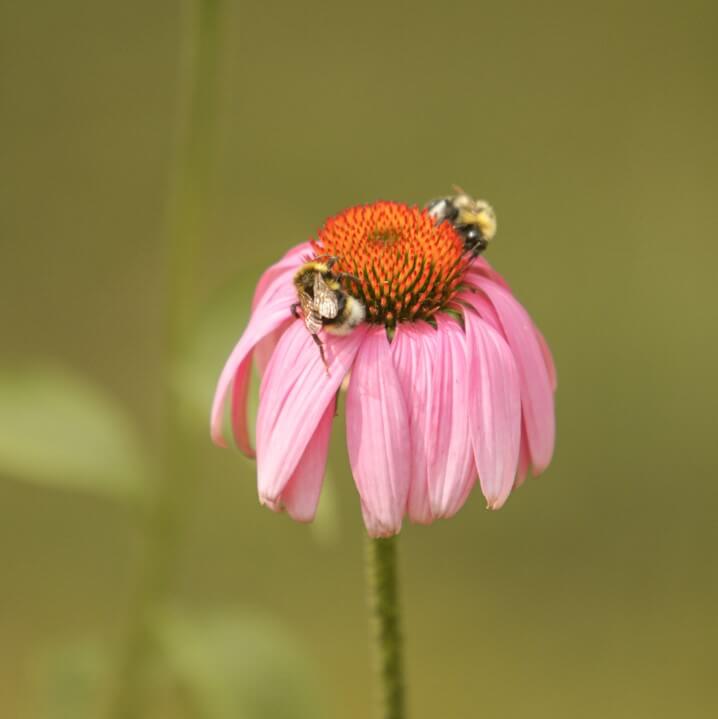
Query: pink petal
[265, 347]
[432, 369]
[377, 422]
[548, 358]
[414, 350]
[524, 461]
[536, 392]
[293, 397]
[481, 269]
[494, 409]
[452, 471]
[268, 316]
[300, 497]
[285, 268]
[487, 311]
[483, 306]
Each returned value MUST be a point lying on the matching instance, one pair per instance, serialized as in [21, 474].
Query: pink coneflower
[449, 380]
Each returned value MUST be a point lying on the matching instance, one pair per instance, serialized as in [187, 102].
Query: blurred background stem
[386, 630]
[188, 194]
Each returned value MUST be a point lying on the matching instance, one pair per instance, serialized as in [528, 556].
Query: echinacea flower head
[449, 380]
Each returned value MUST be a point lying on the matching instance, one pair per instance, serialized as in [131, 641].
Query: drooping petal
[524, 460]
[494, 408]
[415, 352]
[433, 372]
[487, 311]
[536, 392]
[377, 422]
[262, 353]
[294, 395]
[285, 269]
[265, 347]
[548, 357]
[269, 315]
[452, 470]
[300, 496]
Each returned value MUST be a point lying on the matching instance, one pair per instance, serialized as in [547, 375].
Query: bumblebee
[474, 220]
[325, 303]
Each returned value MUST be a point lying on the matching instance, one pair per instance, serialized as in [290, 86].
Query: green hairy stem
[386, 631]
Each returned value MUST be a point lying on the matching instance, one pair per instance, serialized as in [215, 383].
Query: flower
[448, 378]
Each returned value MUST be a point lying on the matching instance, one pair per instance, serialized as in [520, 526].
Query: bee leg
[481, 245]
[293, 310]
[477, 244]
[320, 344]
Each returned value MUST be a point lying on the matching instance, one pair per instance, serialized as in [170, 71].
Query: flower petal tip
[219, 441]
[301, 517]
[423, 521]
[496, 504]
[383, 533]
[274, 504]
[380, 527]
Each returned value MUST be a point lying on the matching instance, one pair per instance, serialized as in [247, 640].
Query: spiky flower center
[406, 267]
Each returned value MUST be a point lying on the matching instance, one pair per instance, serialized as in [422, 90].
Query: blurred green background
[591, 127]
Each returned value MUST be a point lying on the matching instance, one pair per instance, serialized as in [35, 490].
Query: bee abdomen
[350, 316]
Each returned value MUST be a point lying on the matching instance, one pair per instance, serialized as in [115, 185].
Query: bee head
[304, 278]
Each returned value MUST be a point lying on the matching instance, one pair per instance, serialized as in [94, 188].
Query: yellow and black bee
[474, 220]
[325, 303]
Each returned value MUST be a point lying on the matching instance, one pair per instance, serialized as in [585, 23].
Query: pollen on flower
[406, 267]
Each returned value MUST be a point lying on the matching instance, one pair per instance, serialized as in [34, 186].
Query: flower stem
[386, 631]
[171, 498]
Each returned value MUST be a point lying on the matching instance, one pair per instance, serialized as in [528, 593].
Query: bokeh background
[590, 126]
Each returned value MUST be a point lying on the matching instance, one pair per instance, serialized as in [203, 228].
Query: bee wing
[325, 301]
[312, 320]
